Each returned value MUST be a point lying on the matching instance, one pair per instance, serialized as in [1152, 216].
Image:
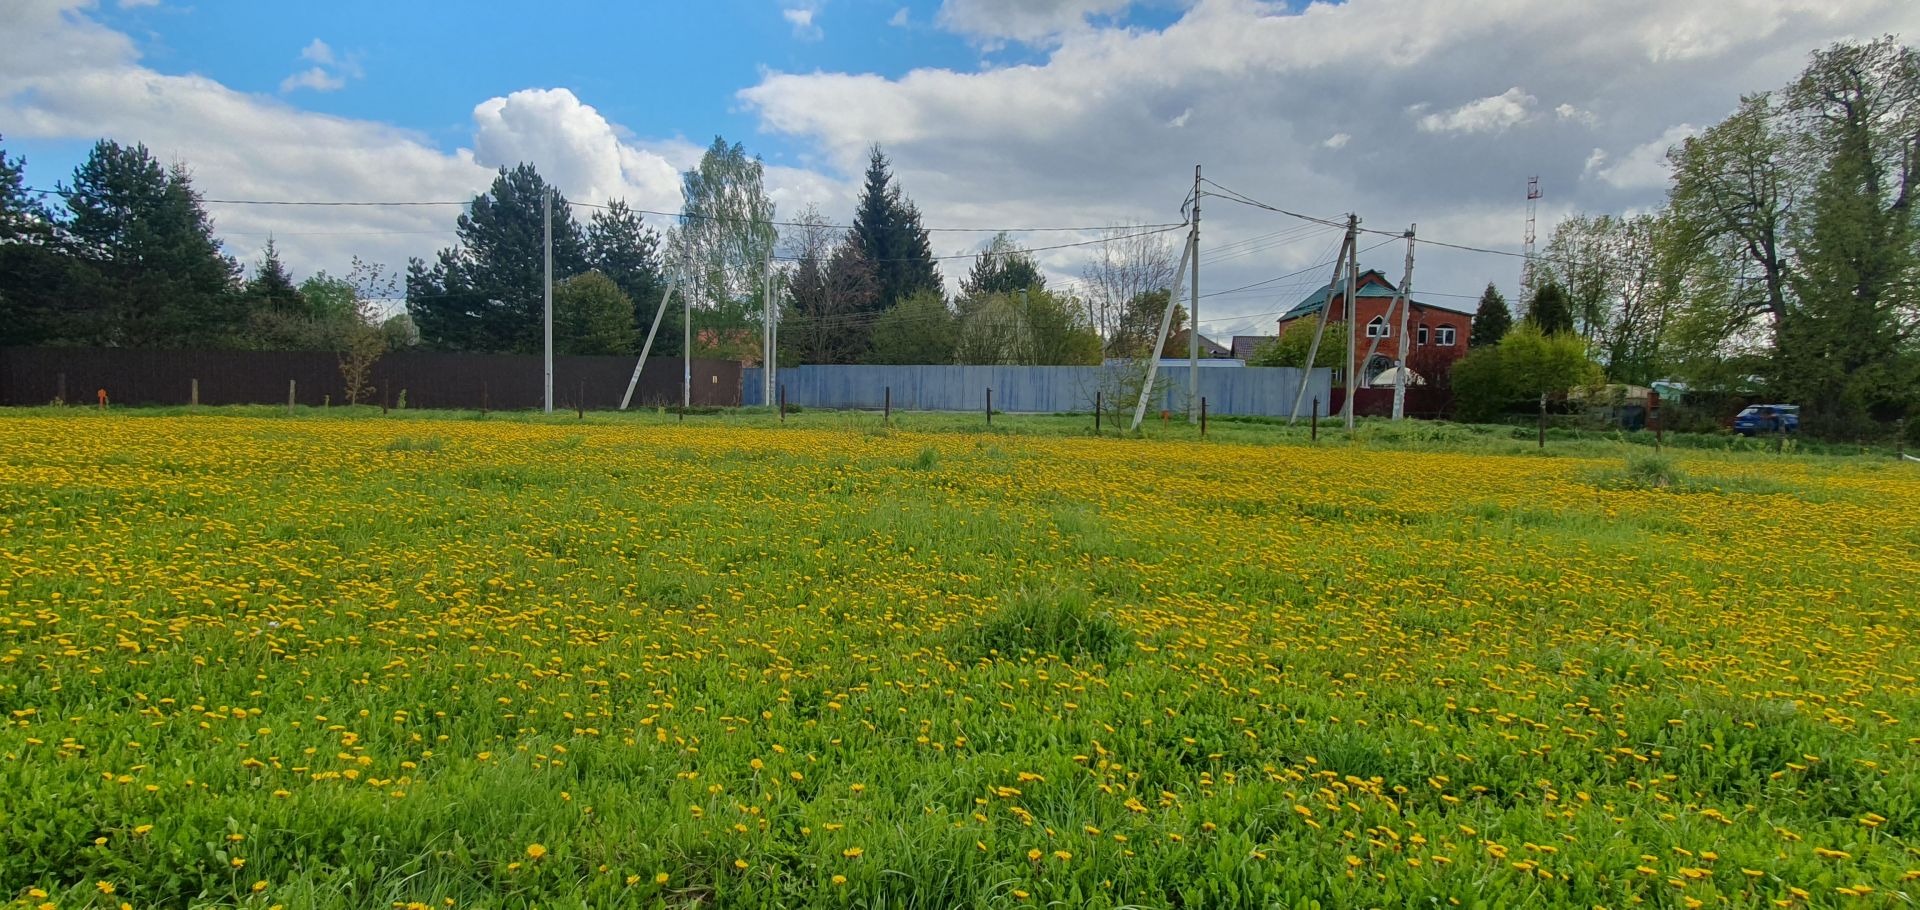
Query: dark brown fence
[37, 376]
[1421, 402]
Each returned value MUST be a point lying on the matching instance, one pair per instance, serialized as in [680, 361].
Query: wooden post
[1779, 432]
[1096, 412]
[1316, 418]
[60, 389]
[580, 402]
[783, 402]
[1653, 415]
[1203, 415]
[485, 398]
[989, 407]
[193, 393]
[886, 416]
[1543, 420]
[383, 399]
[289, 398]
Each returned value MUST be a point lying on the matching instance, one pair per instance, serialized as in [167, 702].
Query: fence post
[1653, 414]
[383, 399]
[485, 398]
[1900, 439]
[1316, 418]
[60, 389]
[580, 402]
[886, 416]
[783, 402]
[1780, 433]
[1096, 412]
[289, 398]
[193, 393]
[1203, 416]
[989, 407]
[1543, 420]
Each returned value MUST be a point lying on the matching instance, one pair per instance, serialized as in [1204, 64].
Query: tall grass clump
[1048, 622]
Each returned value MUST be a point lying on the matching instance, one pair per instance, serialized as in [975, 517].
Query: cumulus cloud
[316, 78]
[1576, 115]
[1642, 167]
[1022, 20]
[1337, 141]
[329, 73]
[801, 18]
[1486, 115]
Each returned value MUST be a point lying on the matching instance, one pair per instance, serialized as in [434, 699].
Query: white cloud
[318, 52]
[1181, 121]
[1022, 20]
[316, 78]
[1642, 167]
[1337, 141]
[1487, 115]
[801, 18]
[329, 73]
[900, 18]
[1575, 114]
[133, 4]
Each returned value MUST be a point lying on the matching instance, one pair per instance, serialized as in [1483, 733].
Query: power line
[679, 215]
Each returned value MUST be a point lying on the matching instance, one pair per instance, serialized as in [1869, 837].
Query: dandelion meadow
[460, 663]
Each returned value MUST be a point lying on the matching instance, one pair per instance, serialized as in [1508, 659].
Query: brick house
[1439, 333]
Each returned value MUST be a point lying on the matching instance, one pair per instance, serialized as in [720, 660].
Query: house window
[1444, 336]
[1377, 328]
[1423, 334]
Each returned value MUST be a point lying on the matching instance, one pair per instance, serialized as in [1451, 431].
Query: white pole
[1193, 312]
[1353, 322]
[1326, 307]
[773, 332]
[657, 314]
[766, 333]
[1406, 293]
[546, 208]
[1166, 323]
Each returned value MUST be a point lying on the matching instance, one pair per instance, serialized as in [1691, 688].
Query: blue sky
[996, 113]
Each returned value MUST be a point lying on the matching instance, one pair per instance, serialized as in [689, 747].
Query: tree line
[1785, 261]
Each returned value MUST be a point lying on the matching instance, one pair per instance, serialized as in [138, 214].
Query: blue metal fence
[1234, 390]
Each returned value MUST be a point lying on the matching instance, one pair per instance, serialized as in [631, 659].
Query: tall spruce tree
[271, 288]
[485, 292]
[1552, 310]
[36, 274]
[1003, 268]
[621, 246]
[162, 278]
[1491, 320]
[888, 227]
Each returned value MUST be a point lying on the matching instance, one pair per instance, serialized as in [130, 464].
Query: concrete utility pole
[1353, 320]
[1326, 308]
[648, 346]
[1193, 310]
[686, 347]
[1406, 308]
[1160, 340]
[546, 209]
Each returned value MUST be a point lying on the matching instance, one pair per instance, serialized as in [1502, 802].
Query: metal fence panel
[1264, 391]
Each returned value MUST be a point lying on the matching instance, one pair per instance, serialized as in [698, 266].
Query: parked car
[1767, 419]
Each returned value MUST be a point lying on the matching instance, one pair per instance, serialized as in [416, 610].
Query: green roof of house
[1381, 287]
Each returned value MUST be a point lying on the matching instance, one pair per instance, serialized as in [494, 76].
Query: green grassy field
[433, 660]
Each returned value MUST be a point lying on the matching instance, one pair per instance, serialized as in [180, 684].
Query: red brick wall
[1372, 307]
